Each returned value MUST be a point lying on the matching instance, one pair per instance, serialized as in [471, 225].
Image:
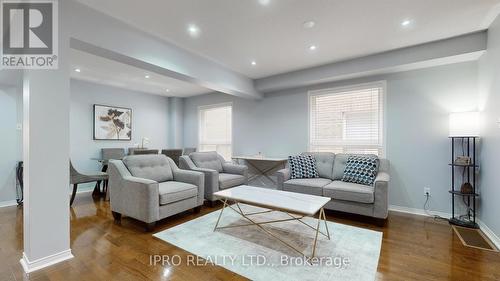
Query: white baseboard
[30, 266]
[9, 203]
[420, 212]
[489, 233]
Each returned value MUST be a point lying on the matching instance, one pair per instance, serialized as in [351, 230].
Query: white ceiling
[109, 72]
[234, 33]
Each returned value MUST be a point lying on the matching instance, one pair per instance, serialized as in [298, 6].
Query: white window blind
[348, 120]
[215, 131]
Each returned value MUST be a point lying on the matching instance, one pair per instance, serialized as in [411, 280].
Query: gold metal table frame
[321, 216]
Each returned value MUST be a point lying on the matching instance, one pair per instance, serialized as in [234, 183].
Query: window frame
[211, 106]
[353, 87]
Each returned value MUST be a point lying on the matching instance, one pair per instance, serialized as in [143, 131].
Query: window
[348, 120]
[215, 129]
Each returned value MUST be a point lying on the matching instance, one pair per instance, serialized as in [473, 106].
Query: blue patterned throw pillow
[361, 169]
[302, 167]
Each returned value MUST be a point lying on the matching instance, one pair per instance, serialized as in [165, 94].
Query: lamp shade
[464, 124]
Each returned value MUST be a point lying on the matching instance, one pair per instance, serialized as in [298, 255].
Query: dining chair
[188, 150]
[145, 151]
[174, 154]
[77, 178]
[131, 150]
[113, 153]
[109, 154]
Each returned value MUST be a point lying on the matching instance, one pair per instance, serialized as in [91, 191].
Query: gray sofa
[346, 197]
[219, 174]
[151, 187]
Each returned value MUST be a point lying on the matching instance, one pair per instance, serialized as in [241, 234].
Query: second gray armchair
[219, 174]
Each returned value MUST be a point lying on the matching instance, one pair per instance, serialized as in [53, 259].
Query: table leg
[220, 215]
[316, 236]
[264, 172]
[326, 225]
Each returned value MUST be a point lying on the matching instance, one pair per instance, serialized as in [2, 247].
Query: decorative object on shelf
[144, 142]
[467, 188]
[464, 132]
[462, 161]
[112, 123]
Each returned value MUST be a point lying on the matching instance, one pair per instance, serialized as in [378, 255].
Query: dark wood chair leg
[197, 209]
[75, 186]
[116, 216]
[97, 189]
[150, 226]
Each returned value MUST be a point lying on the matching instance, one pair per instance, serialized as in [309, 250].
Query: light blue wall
[489, 87]
[418, 104]
[11, 141]
[149, 119]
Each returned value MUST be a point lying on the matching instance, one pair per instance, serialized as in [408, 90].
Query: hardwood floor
[414, 248]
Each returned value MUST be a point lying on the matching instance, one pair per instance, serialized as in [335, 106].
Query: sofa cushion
[308, 186]
[340, 162]
[349, 192]
[230, 180]
[324, 163]
[173, 191]
[153, 167]
[361, 169]
[302, 167]
[207, 160]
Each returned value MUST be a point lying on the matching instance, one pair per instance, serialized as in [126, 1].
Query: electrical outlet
[427, 191]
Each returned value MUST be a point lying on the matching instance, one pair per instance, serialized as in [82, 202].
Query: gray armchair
[151, 187]
[219, 174]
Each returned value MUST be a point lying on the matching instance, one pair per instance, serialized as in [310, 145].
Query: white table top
[292, 202]
[261, 158]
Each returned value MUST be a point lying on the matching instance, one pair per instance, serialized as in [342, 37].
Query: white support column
[46, 102]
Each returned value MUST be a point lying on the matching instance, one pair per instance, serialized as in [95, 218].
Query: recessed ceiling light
[405, 22]
[312, 47]
[254, 62]
[146, 76]
[167, 90]
[78, 70]
[193, 30]
[264, 2]
[309, 24]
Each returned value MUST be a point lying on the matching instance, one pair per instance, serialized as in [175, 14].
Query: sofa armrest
[381, 186]
[232, 168]
[192, 177]
[381, 177]
[211, 176]
[211, 182]
[282, 176]
[137, 198]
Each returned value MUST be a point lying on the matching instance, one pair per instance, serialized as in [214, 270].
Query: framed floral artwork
[112, 123]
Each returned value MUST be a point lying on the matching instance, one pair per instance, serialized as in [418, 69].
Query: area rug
[351, 254]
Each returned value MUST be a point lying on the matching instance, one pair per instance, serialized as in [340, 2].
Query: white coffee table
[295, 205]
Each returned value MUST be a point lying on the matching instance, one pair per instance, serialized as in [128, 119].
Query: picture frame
[112, 123]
